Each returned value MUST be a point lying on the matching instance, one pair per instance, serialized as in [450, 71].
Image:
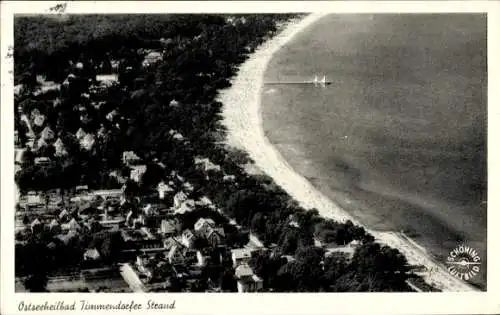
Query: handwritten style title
[84, 305]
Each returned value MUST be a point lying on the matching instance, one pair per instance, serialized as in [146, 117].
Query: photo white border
[217, 303]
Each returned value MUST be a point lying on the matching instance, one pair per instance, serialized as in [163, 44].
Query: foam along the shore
[242, 118]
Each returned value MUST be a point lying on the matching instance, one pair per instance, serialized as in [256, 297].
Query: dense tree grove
[150, 107]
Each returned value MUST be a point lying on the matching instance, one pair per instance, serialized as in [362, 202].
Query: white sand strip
[242, 118]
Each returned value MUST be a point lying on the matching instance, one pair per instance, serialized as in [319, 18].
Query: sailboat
[322, 81]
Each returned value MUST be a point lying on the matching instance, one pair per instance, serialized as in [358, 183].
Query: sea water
[398, 139]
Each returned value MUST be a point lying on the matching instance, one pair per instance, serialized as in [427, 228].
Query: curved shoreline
[242, 118]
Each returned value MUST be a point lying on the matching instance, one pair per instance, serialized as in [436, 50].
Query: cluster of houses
[151, 229]
[153, 235]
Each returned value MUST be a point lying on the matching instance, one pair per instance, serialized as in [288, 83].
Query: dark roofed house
[215, 236]
[63, 215]
[36, 226]
[55, 227]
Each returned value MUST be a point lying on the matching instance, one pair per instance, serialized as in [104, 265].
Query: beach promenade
[243, 120]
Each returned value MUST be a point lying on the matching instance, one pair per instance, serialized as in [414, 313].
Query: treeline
[179, 94]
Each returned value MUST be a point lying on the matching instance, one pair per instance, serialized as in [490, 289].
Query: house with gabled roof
[206, 165]
[80, 134]
[129, 157]
[164, 190]
[63, 215]
[40, 143]
[203, 225]
[173, 103]
[54, 226]
[168, 227]
[171, 241]
[47, 134]
[36, 225]
[91, 254]
[215, 236]
[186, 206]
[38, 120]
[73, 225]
[241, 256]
[87, 142]
[175, 255]
[60, 148]
[187, 238]
[137, 171]
[179, 199]
[247, 281]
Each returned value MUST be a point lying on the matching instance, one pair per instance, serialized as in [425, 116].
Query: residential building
[87, 142]
[47, 134]
[151, 58]
[202, 226]
[107, 79]
[206, 165]
[164, 190]
[72, 225]
[33, 199]
[179, 199]
[241, 256]
[175, 255]
[168, 228]
[39, 120]
[201, 258]
[130, 158]
[247, 281]
[40, 143]
[186, 206]
[91, 254]
[140, 239]
[215, 236]
[111, 115]
[80, 134]
[36, 226]
[63, 215]
[54, 226]
[137, 172]
[42, 160]
[60, 148]
[187, 238]
[171, 241]
[108, 193]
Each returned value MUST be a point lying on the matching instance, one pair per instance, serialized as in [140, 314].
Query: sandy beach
[243, 120]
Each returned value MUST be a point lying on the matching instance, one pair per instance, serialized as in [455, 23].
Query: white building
[137, 172]
[241, 256]
[247, 281]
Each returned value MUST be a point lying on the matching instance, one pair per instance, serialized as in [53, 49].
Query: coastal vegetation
[167, 112]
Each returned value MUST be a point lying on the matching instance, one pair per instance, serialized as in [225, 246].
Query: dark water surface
[399, 137]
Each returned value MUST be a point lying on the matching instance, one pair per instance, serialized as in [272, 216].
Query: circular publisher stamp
[463, 262]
